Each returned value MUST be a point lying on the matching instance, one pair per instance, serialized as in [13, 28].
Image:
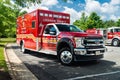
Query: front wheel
[115, 42]
[65, 56]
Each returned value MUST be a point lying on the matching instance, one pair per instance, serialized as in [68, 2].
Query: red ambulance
[50, 32]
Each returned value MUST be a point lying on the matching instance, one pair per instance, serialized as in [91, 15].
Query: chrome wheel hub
[115, 43]
[66, 57]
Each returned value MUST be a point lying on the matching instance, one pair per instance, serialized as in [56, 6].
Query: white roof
[113, 27]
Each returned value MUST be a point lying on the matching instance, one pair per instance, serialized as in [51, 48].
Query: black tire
[115, 42]
[65, 56]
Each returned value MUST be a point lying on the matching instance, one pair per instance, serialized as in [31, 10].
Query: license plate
[97, 52]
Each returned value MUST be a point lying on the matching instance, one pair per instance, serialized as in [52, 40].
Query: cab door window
[50, 29]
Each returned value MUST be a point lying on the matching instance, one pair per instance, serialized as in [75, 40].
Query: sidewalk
[17, 69]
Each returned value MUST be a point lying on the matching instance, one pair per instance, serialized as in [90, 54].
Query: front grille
[93, 42]
[94, 38]
[93, 47]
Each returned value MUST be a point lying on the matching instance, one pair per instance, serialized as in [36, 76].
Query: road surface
[47, 67]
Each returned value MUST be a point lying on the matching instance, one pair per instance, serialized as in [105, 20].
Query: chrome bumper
[82, 51]
[97, 49]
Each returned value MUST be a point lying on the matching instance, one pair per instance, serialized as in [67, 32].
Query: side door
[50, 37]
[110, 34]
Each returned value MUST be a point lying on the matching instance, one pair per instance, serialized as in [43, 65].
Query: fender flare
[115, 38]
[66, 41]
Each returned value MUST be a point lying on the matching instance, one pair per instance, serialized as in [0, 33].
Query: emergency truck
[50, 32]
[111, 35]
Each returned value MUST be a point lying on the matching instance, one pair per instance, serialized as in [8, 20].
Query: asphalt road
[47, 67]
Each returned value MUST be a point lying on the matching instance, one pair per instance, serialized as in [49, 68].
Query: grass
[3, 42]
[4, 74]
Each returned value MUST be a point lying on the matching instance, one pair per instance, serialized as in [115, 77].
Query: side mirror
[52, 32]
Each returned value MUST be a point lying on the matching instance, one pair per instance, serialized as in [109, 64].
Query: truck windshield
[117, 30]
[68, 28]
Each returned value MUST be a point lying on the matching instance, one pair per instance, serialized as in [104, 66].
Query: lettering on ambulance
[52, 40]
[53, 43]
[31, 36]
[52, 20]
[49, 42]
[29, 39]
[44, 42]
[23, 30]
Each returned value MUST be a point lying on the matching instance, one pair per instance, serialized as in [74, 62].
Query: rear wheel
[22, 47]
[65, 56]
[115, 42]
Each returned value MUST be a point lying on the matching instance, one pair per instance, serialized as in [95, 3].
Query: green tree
[8, 14]
[26, 3]
[94, 21]
[118, 23]
[82, 22]
[109, 23]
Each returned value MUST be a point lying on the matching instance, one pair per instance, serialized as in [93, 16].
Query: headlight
[79, 41]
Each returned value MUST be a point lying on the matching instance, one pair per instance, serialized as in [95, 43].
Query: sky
[106, 9]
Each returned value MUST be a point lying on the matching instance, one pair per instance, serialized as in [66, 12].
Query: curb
[16, 67]
[8, 65]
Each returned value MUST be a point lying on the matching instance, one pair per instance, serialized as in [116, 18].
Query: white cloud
[43, 7]
[70, 2]
[34, 8]
[74, 15]
[92, 5]
[108, 10]
[115, 2]
[115, 18]
[59, 6]
[49, 2]
[45, 4]
[103, 17]
[81, 5]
